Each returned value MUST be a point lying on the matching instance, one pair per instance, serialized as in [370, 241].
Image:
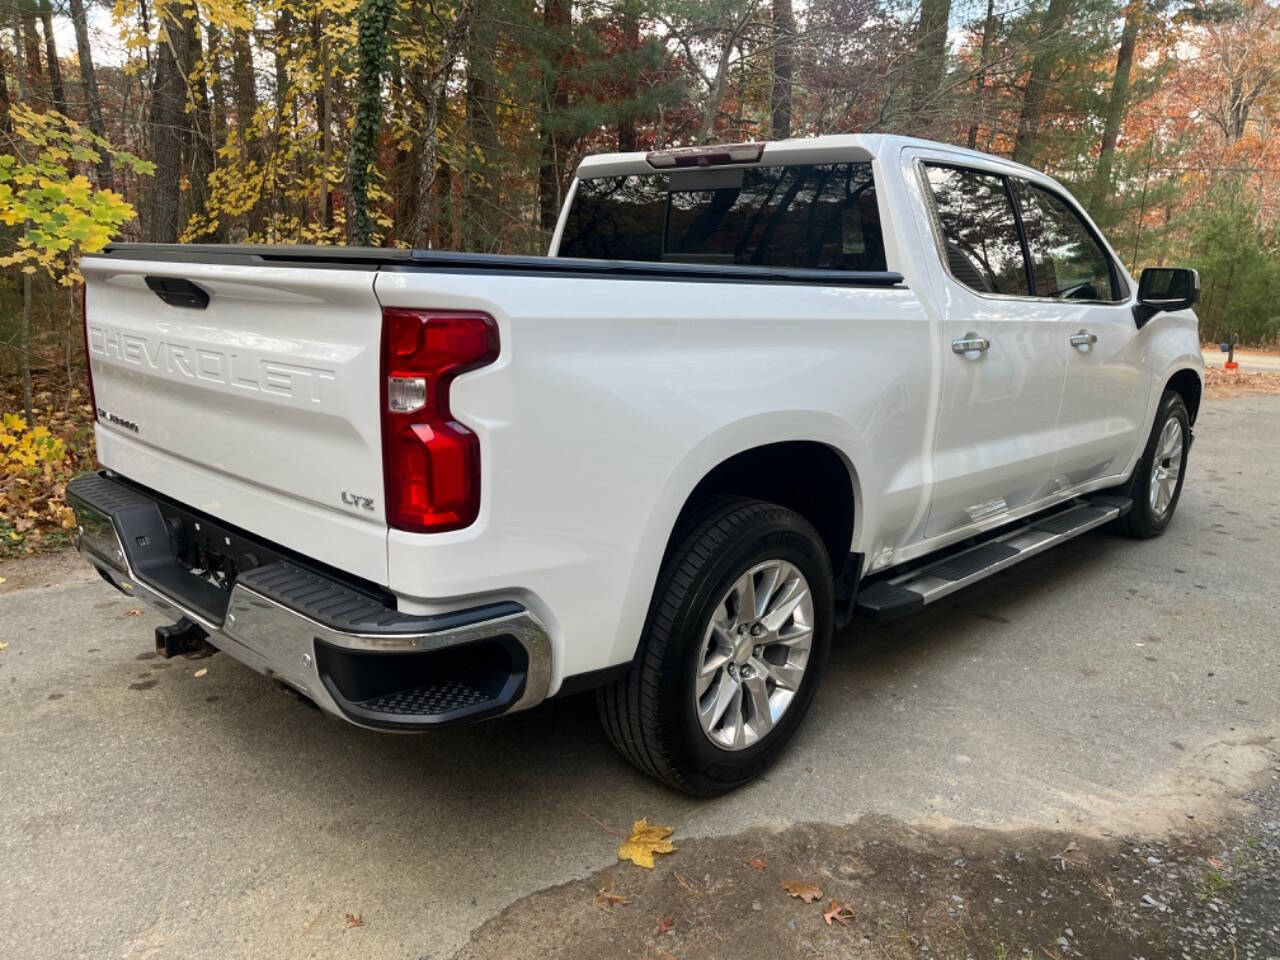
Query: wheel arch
[707, 468]
[810, 477]
[1187, 383]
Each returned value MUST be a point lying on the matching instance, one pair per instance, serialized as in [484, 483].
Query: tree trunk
[988, 41]
[51, 54]
[24, 335]
[405, 166]
[930, 65]
[1046, 58]
[715, 89]
[217, 66]
[31, 46]
[557, 17]
[1117, 103]
[93, 98]
[373, 17]
[199, 122]
[324, 117]
[784, 39]
[432, 101]
[168, 124]
[246, 93]
[480, 201]
[281, 47]
[6, 124]
[630, 44]
[26, 349]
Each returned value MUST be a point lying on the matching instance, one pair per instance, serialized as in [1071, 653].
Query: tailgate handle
[178, 292]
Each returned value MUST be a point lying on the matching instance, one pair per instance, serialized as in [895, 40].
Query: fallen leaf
[202, 671]
[644, 842]
[808, 892]
[689, 886]
[134, 613]
[607, 898]
[665, 924]
[838, 912]
[1, 579]
[755, 863]
[3, 645]
[312, 925]
[355, 919]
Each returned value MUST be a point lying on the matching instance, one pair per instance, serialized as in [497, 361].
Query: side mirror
[1165, 288]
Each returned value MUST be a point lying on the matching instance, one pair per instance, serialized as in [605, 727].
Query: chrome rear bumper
[354, 656]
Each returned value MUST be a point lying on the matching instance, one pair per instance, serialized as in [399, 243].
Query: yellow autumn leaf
[644, 842]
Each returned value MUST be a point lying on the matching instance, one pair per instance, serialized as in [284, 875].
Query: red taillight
[84, 329]
[431, 463]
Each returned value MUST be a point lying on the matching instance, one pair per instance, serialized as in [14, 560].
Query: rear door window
[821, 216]
[978, 229]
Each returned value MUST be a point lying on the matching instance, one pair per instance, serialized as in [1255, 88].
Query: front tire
[735, 641]
[1156, 483]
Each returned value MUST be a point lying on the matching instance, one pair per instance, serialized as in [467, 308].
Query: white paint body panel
[612, 398]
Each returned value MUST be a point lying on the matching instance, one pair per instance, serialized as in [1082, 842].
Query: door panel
[1104, 401]
[996, 435]
[1102, 421]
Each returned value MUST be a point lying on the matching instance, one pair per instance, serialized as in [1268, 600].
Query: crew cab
[754, 392]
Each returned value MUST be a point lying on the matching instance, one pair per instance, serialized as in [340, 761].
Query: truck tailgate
[261, 408]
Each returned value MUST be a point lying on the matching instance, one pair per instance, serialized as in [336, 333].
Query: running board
[908, 592]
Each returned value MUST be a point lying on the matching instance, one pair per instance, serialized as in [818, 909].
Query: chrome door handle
[1084, 339]
[971, 345]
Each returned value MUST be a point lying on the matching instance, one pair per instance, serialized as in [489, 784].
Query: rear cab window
[817, 216]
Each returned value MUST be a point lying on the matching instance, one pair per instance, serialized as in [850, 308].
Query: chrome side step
[897, 596]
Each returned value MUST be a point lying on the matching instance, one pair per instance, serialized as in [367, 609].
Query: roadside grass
[1214, 884]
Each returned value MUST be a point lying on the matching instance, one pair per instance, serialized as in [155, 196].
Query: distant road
[1249, 360]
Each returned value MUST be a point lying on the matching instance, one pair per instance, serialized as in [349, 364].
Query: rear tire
[1157, 479]
[706, 647]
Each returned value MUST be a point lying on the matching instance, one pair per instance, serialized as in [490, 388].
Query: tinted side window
[815, 215]
[979, 230]
[1066, 261]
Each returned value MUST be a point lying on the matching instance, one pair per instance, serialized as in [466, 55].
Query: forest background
[456, 124]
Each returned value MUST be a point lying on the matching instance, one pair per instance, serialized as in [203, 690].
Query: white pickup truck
[755, 391]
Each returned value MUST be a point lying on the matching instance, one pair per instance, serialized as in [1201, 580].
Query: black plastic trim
[338, 603]
[266, 551]
[583, 682]
[332, 605]
[379, 258]
[178, 292]
[883, 600]
[359, 680]
[848, 581]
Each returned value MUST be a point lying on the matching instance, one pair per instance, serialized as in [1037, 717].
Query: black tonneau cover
[391, 259]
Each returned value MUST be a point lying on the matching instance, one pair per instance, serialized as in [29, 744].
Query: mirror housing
[1165, 288]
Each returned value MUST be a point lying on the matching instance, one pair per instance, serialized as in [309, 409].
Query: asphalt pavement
[186, 808]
